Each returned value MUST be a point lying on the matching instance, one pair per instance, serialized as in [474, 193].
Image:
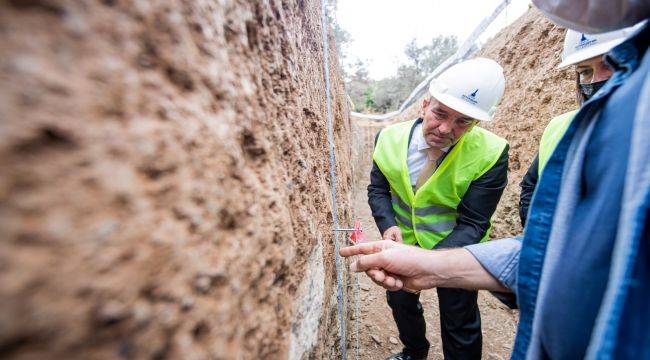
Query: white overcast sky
[380, 29]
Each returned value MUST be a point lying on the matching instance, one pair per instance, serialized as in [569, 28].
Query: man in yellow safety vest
[436, 182]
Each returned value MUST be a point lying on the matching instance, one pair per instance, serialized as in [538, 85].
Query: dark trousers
[460, 323]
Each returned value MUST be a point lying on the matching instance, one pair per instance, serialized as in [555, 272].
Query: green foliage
[369, 102]
[360, 87]
[387, 94]
[341, 36]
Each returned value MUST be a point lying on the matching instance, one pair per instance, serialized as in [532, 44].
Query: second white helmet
[473, 87]
[579, 46]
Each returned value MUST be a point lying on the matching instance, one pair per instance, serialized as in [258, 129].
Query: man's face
[443, 126]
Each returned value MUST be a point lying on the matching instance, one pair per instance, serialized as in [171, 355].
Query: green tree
[369, 95]
[437, 51]
[422, 60]
[360, 87]
[388, 93]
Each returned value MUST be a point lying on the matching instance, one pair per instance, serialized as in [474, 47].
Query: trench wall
[165, 190]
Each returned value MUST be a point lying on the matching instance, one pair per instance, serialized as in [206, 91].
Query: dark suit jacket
[528, 184]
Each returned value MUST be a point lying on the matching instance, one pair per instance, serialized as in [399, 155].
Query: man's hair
[579, 95]
[431, 99]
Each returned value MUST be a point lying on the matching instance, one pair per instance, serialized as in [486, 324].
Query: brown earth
[529, 51]
[165, 182]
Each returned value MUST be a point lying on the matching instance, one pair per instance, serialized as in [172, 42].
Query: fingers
[399, 284]
[391, 233]
[388, 281]
[366, 248]
[376, 275]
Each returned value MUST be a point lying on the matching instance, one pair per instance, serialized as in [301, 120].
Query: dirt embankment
[165, 183]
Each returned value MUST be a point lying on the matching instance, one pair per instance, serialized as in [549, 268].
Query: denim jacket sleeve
[500, 258]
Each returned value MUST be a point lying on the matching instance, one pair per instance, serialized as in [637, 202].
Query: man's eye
[585, 75]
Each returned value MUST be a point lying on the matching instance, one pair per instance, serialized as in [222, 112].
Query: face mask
[588, 90]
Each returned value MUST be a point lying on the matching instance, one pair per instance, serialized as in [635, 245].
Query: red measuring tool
[356, 234]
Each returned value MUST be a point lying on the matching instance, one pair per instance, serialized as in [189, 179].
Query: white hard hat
[579, 46]
[473, 87]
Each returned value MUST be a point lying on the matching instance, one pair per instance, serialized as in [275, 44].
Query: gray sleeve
[500, 258]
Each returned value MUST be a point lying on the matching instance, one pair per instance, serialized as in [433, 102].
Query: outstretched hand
[397, 266]
[392, 265]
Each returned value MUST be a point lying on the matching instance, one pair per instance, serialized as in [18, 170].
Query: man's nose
[444, 128]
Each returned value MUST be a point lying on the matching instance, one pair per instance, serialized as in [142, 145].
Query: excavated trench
[165, 190]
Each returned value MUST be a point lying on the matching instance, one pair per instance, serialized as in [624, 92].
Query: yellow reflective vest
[427, 216]
[551, 136]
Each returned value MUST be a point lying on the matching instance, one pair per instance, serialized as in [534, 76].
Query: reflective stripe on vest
[551, 136]
[429, 215]
[429, 210]
[436, 226]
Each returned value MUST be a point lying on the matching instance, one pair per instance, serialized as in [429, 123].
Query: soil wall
[165, 190]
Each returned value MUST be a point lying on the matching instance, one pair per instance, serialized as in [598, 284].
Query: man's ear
[425, 103]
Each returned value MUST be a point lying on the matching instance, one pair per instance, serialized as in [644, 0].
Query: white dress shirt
[417, 155]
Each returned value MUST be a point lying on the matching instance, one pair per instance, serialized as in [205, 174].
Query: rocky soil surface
[165, 183]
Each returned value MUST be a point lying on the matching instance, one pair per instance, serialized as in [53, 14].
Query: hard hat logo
[585, 42]
[471, 97]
